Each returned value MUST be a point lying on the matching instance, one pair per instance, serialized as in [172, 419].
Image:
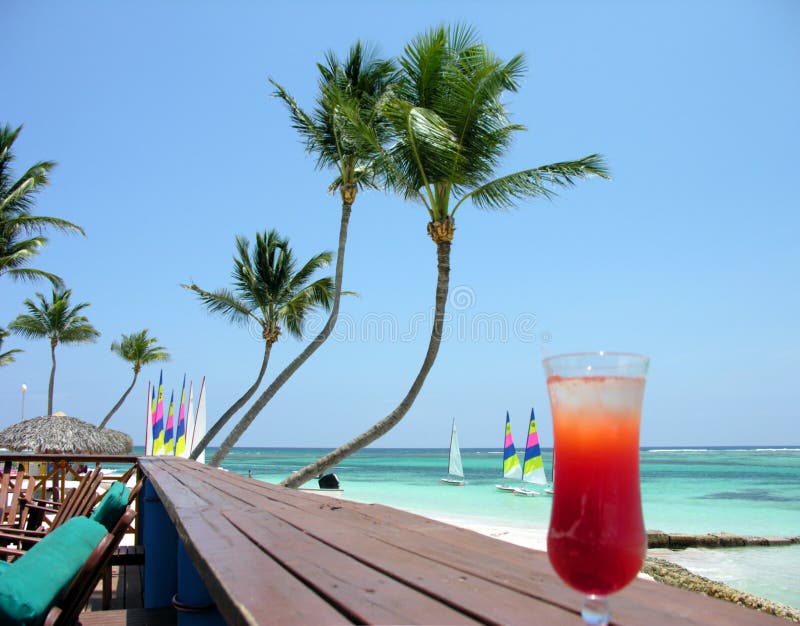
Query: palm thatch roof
[62, 434]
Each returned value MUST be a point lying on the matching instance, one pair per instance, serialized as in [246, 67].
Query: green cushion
[36, 581]
[112, 506]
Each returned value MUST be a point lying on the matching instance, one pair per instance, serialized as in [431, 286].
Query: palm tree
[59, 322]
[139, 350]
[450, 130]
[20, 232]
[271, 292]
[8, 356]
[354, 88]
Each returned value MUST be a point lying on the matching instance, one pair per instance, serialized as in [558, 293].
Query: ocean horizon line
[658, 448]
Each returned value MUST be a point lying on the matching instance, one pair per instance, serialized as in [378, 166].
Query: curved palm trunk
[290, 369]
[391, 420]
[220, 423]
[53, 345]
[120, 401]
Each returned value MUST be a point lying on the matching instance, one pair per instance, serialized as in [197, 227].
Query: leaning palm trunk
[120, 402]
[220, 423]
[348, 192]
[391, 420]
[52, 378]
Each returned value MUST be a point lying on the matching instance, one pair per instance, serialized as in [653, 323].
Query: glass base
[596, 611]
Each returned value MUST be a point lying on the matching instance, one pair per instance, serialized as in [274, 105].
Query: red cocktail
[596, 542]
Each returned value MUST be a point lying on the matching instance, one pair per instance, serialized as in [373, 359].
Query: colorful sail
[158, 418]
[148, 437]
[189, 420]
[180, 434]
[151, 419]
[169, 432]
[511, 467]
[533, 466]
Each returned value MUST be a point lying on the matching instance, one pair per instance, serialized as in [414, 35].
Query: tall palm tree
[270, 291]
[57, 321]
[8, 356]
[450, 130]
[354, 87]
[20, 232]
[139, 350]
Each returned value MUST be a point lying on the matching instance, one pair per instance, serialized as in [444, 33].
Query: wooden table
[270, 555]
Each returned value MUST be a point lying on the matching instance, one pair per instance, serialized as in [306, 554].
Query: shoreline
[658, 569]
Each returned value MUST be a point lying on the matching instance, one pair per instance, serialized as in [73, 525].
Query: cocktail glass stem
[596, 611]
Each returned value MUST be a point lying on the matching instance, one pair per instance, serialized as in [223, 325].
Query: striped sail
[169, 432]
[511, 467]
[158, 418]
[533, 466]
[151, 405]
[180, 434]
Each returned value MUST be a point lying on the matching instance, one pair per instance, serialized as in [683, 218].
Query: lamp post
[22, 410]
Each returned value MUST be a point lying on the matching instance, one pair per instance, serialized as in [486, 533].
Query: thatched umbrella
[61, 434]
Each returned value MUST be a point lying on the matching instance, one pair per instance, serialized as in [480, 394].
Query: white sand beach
[534, 538]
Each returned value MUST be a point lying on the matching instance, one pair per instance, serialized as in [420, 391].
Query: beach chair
[78, 504]
[55, 578]
[69, 607]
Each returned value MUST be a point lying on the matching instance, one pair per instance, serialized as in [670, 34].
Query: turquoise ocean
[752, 491]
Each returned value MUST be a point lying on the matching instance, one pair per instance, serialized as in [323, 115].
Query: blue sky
[169, 145]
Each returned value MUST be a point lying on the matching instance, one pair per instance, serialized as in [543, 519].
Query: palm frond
[55, 319]
[314, 137]
[295, 310]
[222, 302]
[314, 264]
[7, 357]
[139, 349]
[30, 274]
[358, 82]
[37, 223]
[427, 150]
[502, 192]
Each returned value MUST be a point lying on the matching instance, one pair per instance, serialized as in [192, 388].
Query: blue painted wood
[195, 605]
[161, 547]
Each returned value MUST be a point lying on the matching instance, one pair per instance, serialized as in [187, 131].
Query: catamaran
[454, 468]
[512, 470]
[532, 466]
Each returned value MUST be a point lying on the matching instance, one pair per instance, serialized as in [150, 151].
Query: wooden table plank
[364, 593]
[642, 601]
[247, 586]
[337, 550]
[472, 594]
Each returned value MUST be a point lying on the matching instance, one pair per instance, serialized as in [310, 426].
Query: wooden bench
[270, 555]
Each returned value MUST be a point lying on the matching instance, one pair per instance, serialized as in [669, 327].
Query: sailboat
[512, 470]
[532, 466]
[454, 468]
